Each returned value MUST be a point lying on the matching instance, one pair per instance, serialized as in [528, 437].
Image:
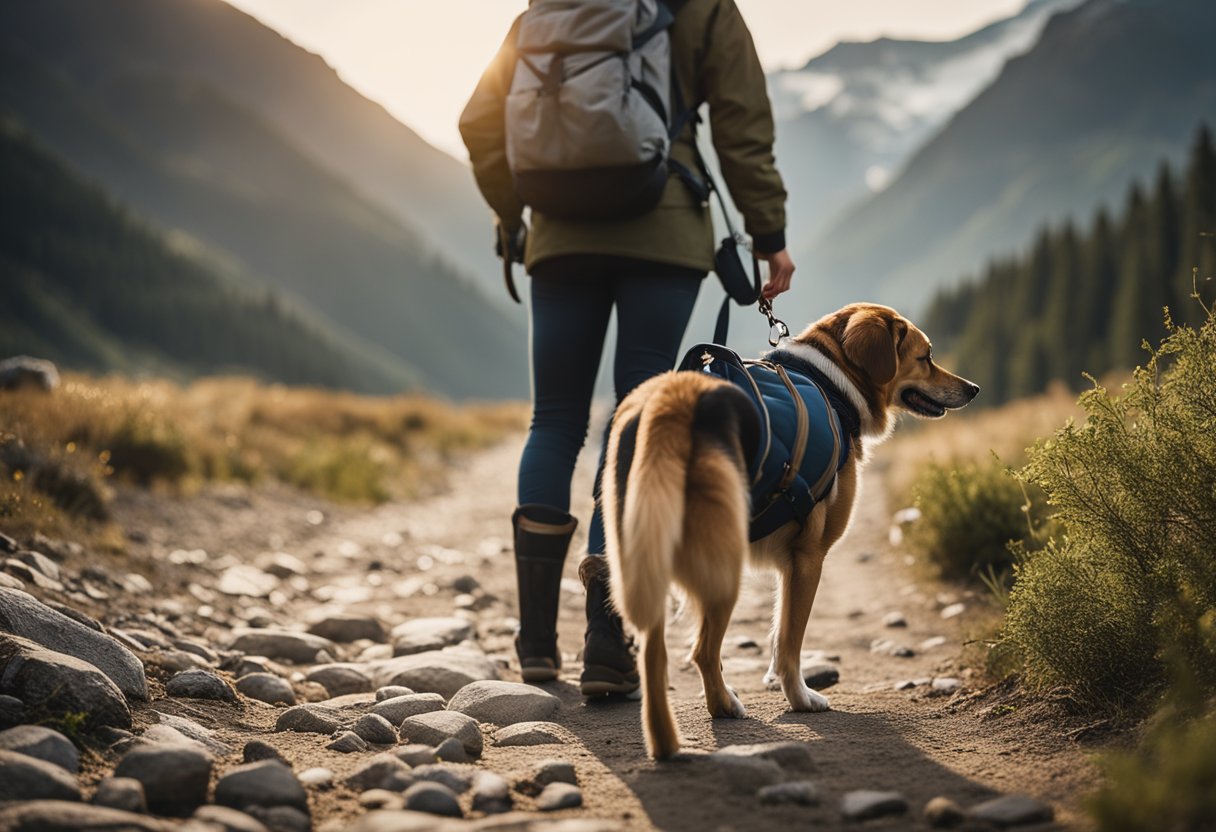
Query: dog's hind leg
[707, 653]
[658, 722]
[799, 582]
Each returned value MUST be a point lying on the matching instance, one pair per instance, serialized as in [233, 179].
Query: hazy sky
[421, 58]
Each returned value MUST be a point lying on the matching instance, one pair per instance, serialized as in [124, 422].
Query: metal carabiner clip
[776, 327]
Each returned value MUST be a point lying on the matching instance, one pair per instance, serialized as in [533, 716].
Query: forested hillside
[1081, 300]
[83, 283]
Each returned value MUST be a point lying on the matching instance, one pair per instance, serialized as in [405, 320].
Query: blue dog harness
[805, 430]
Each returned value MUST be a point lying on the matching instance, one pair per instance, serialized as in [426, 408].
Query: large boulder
[437, 671]
[60, 683]
[24, 615]
[504, 703]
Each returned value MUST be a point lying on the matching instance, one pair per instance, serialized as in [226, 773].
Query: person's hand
[780, 273]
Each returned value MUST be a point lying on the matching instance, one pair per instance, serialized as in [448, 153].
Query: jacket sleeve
[741, 122]
[483, 128]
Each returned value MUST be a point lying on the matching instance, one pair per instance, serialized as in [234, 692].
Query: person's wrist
[770, 243]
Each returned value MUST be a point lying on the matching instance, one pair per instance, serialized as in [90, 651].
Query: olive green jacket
[714, 61]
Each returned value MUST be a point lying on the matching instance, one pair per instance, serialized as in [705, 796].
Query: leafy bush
[970, 513]
[1128, 593]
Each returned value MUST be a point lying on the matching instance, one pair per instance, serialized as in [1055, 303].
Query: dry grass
[57, 451]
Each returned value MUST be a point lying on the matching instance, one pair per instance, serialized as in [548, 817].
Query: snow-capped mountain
[850, 117]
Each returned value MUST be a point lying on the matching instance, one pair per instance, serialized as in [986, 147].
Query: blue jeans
[572, 299]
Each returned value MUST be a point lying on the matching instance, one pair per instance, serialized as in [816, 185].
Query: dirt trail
[399, 560]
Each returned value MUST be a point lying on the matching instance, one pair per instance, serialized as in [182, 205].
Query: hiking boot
[608, 656]
[542, 536]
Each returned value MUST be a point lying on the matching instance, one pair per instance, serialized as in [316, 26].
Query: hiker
[612, 227]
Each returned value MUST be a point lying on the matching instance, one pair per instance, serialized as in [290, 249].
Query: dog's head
[889, 362]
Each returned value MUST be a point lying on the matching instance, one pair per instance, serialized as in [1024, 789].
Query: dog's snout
[973, 390]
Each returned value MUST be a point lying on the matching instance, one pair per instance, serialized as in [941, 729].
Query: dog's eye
[928, 357]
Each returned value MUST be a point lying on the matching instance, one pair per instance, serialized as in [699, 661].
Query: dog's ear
[869, 344]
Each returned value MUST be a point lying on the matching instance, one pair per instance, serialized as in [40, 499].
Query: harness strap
[838, 444]
[801, 433]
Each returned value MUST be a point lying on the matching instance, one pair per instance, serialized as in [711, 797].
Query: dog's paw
[771, 680]
[728, 707]
[806, 700]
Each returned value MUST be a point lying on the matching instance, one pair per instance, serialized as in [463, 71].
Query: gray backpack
[589, 119]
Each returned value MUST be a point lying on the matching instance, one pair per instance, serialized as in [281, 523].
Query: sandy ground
[398, 561]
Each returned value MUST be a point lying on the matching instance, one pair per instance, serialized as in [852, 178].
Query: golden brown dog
[676, 501]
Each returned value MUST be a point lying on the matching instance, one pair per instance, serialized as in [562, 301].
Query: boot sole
[534, 675]
[604, 681]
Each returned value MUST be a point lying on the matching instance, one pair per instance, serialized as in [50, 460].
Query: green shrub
[969, 516]
[1126, 595]
[147, 449]
[342, 469]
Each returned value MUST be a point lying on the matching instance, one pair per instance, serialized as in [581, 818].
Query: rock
[504, 703]
[400, 708]
[43, 564]
[799, 792]
[376, 729]
[864, 804]
[192, 730]
[307, 719]
[347, 628]
[931, 643]
[12, 711]
[942, 811]
[418, 754]
[61, 683]
[747, 775]
[177, 661]
[954, 610]
[887, 647]
[29, 574]
[458, 780]
[350, 703]
[1012, 810]
[554, 771]
[200, 684]
[123, 793]
[23, 371]
[789, 754]
[198, 649]
[29, 778]
[246, 579]
[257, 750]
[381, 799]
[283, 565]
[491, 793]
[432, 798]
[384, 771]
[317, 778]
[311, 691]
[392, 692]
[340, 679]
[7, 544]
[439, 671]
[11, 582]
[451, 750]
[282, 818]
[348, 742]
[43, 744]
[23, 615]
[559, 796]
[422, 634]
[266, 687]
[532, 733]
[820, 676]
[943, 685]
[433, 728]
[222, 818]
[174, 777]
[61, 816]
[300, 648]
[894, 619]
[265, 783]
[246, 665]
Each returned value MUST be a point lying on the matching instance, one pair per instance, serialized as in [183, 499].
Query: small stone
[384, 771]
[432, 798]
[64, 816]
[931, 643]
[200, 684]
[491, 793]
[123, 793]
[301, 648]
[864, 804]
[532, 733]
[788, 754]
[307, 719]
[400, 708]
[433, 728]
[282, 818]
[457, 779]
[820, 676]
[12, 711]
[800, 792]
[348, 742]
[451, 750]
[257, 750]
[376, 729]
[1012, 810]
[942, 811]
[311, 692]
[423, 634]
[223, 819]
[391, 692]
[246, 579]
[557, 796]
[439, 671]
[904, 684]
[954, 610]
[174, 777]
[177, 661]
[747, 775]
[201, 650]
[43, 744]
[248, 664]
[419, 755]
[347, 628]
[266, 687]
[192, 730]
[894, 619]
[265, 783]
[283, 565]
[340, 679]
[28, 778]
[317, 778]
[943, 685]
[504, 703]
[887, 647]
[381, 799]
[555, 771]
